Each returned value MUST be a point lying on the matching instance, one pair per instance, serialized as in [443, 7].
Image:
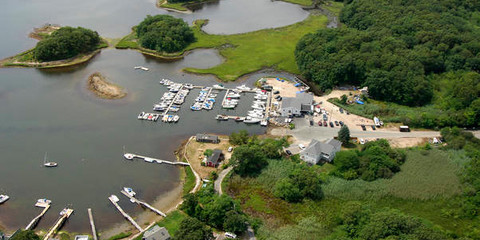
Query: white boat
[188, 86]
[221, 117]
[264, 123]
[145, 116]
[48, 164]
[3, 198]
[258, 107]
[233, 95]
[43, 202]
[158, 107]
[251, 120]
[244, 88]
[129, 191]
[218, 86]
[229, 106]
[176, 118]
[261, 97]
[255, 115]
[140, 116]
[128, 156]
[141, 67]
[150, 160]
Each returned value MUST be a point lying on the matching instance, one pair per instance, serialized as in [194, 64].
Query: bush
[65, 43]
[164, 33]
[302, 182]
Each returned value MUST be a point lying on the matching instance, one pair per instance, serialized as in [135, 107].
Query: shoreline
[83, 58]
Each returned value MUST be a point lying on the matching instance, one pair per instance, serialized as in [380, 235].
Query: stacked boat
[243, 88]
[148, 116]
[231, 99]
[166, 82]
[181, 95]
[170, 118]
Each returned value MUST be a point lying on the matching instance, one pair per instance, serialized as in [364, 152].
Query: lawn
[427, 186]
[300, 2]
[248, 52]
[189, 180]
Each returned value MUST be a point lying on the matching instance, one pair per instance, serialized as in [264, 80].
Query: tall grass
[424, 175]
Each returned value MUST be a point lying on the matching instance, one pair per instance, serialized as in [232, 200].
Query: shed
[156, 233]
[207, 138]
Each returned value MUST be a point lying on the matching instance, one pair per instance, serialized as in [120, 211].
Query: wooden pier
[225, 97]
[34, 222]
[144, 204]
[114, 199]
[131, 156]
[92, 224]
[173, 100]
[64, 215]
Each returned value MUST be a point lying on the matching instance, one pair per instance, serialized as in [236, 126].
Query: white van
[230, 235]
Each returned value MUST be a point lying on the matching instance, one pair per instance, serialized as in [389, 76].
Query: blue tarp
[297, 84]
[359, 102]
[300, 91]
[278, 79]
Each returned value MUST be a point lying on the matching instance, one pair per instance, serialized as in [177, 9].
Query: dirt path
[221, 176]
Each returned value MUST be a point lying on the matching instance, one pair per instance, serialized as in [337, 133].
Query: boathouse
[207, 138]
[296, 106]
[156, 233]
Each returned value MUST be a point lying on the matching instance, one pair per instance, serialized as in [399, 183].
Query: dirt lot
[195, 155]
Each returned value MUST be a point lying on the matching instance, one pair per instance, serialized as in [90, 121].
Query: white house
[317, 151]
[296, 106]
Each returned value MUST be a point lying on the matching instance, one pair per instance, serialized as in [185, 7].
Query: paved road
[221, 176]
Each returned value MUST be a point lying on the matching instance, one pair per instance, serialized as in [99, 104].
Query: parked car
[320, 123]
[279, 99]
[311, 122]
[373, 127]
[362, 141]
[288, 152]
[336, 123]
[301, 146]
[276, 92]
[347, 112]
[230, 235]
[341, 123]
[341, 110]
[230, 149]
[363, 127]
[331, 124]
[325, 118]
[325, 123]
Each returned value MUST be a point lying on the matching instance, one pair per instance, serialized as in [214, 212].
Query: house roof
[156, 233]
[206, 137]
[297, 101]
[317, 148]
[215, 156]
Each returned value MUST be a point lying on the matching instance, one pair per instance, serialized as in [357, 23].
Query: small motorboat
[129, 191]
[140, 116]
[264, 123]
[3, 198]
[43, 202]
[142, 68]
[233, 95]
[188, 86]
[251, 120]
[218, 86]
[229, 106]
[48, 164]
[221, 117]
[243, 88]
[128, 156]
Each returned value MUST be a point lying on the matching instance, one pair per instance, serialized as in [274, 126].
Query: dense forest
[406, 52]
[164, 33]
[65, 43]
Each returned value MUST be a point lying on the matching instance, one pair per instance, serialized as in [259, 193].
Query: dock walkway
[64, 215]
[114, 199]
[144, 204]
[34, 222]
[92, 224]
[131, 156]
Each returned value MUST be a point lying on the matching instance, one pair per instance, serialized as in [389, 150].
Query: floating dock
[143, 204]
[131, 156]
[64, 215]
[35, 221]
[114, 199]
[92, 224]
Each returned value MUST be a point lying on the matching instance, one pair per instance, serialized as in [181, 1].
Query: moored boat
[129, 191]
[3, 198]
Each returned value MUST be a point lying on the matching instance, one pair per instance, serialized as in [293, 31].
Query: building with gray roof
[319, 151]
[156, 233]
[298, 105]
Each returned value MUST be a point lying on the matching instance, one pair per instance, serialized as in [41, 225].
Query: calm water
[51, 111]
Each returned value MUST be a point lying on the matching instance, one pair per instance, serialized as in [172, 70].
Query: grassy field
[300, 2]
[248, 52]
[189, 183]
[334, 7]
[427, 186]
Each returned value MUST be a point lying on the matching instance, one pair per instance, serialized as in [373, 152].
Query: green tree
[164, 33]
[248, 160]
[287, 190]
[346, 160]
[240, 138]
[26, 235]
[235, 222]
[344, 135]
[192, 229]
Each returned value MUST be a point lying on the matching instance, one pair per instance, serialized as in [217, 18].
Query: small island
[58, 47]
[98, 84]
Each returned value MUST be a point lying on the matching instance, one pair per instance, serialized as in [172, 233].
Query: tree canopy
[26, 235]
[302, 182]
[376, 160]
[192, 229]
[164, 33]
[66, 42]
[393, 47]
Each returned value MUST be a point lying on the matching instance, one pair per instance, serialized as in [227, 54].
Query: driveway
[221, 176]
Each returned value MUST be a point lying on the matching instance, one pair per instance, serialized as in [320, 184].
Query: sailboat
[48, 164]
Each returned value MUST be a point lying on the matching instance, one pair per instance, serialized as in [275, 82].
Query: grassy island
[244, 53]
[58, 47]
